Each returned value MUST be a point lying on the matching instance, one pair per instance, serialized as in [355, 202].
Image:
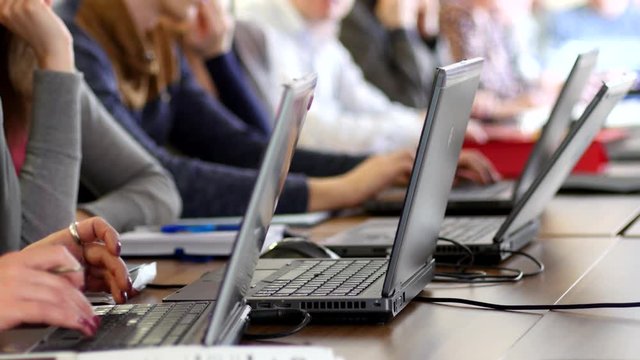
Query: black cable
[464, 247]
[528, 307]
[271, 316]
[165, 286]
[535, 261]
[478, 277]
[463, 275]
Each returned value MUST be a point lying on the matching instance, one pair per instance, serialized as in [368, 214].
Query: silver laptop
[376, 290]
[491, 238]
[500, 197]
[207, 322]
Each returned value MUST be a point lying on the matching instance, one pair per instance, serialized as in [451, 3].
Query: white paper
[153, 243]
[194, 352]
[215, 353]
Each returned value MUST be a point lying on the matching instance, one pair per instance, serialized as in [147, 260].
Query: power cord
[468, 272]
[503, 307]
[300, 318]
[165, 286]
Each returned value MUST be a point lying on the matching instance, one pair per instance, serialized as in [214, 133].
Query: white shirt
[348, 115]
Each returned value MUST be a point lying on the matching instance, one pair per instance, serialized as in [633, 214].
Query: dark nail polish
[129, 284]
[89, 328]
[96, 321]
[119, 248]
[125, 297]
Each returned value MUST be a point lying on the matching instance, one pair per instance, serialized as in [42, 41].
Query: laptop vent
[449, 250]
[454, 250]
[331, 305]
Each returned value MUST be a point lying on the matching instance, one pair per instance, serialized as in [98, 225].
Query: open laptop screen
[295, 102]
[453, 92]
[558, 124]
[547, 183]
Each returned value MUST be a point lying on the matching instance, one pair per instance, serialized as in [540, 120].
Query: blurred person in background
[613, 26]
[483, 28]
[351, 115]
[129, 53]
[394, 57]
[62, 141]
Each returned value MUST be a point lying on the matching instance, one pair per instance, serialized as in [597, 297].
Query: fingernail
[118, 248]
[124, 296]
[129, 284]
[88, 327]
[96, 321]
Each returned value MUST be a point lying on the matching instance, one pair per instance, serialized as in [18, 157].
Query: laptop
[207, 322]
[492, 237]
[375, 289]
[500, 197]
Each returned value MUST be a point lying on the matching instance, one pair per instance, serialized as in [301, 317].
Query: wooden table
[594, 215]
[579, 268]
[596, 333]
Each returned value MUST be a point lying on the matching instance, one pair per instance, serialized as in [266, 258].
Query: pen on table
[177, 228]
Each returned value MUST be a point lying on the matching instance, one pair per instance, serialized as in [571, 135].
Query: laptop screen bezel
[558, 123]
[445, 78]
[262, 204]
[552, 175]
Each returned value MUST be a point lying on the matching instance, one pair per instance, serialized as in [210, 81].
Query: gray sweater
[73, 140]
[9, 198]
[397, 62]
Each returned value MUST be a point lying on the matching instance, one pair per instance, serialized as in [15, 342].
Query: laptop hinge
[421, 272]
[233, 327]
[528, 230]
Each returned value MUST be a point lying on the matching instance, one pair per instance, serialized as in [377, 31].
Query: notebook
[207, 322]
[492, 237]
[374, 289]
[500, 197]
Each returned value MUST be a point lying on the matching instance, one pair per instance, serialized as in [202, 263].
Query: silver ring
[73, 229]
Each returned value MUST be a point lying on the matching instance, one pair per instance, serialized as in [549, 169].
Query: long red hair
[14, 106]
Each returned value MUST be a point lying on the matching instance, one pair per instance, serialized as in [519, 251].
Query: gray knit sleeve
[49, 176]
[131, 187]
[9, 198]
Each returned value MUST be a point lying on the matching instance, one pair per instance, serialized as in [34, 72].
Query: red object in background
[510, 156]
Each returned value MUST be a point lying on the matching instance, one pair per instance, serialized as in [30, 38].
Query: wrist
[57, 60]
[329, 194]
[56, 55]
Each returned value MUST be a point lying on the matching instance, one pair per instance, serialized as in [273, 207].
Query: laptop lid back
[559, 120]
[454, 89]
[295, 102]
[547, 183]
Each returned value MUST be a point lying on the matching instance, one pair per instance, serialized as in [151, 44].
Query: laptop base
[356, 309]
[605, 184]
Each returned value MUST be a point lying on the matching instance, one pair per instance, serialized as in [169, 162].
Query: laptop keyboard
[470, 230]
[129, 326]
[325, 278]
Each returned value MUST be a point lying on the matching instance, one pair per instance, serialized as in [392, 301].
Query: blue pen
[177, 228]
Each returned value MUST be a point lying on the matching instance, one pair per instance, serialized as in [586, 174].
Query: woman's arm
[50, 175]
[131, 187]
